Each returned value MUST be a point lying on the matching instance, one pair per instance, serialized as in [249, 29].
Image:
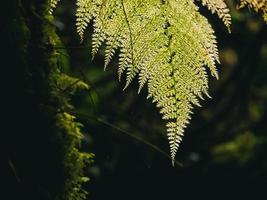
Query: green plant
[257, 5]
[166, 43]
[67, 129]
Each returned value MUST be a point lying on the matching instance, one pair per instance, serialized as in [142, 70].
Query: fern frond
[85, 12]
[52, 5]
[257, 5]
[168, 44]
[220, 8]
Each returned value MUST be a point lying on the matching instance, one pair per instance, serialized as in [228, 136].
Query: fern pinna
[168, 44]
[257, 5]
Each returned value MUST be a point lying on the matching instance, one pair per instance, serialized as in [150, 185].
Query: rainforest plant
[257, 5]
[168, 44]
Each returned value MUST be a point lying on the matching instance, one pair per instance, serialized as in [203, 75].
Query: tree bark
[40, 137]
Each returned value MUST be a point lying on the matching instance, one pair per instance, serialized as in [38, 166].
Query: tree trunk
[41, 157]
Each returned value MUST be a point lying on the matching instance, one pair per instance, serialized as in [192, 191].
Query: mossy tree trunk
[40, 138]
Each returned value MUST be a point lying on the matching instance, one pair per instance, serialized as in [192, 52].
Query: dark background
[224, 150]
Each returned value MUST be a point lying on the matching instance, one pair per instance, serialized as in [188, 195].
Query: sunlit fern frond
[220, 8]
[168, 44]
[257, 5]
[85, 11]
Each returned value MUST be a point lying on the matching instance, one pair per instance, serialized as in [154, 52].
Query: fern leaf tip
[173, 162]
[105, 66]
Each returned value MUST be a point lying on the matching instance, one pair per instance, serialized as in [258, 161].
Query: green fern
[168, 44]
[52, 5]
[257, 5]
[220, 8]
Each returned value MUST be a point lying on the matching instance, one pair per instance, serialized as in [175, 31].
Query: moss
[68, 130]
[43, 140]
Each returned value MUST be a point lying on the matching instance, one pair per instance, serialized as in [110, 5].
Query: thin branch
[138, 139]
[88, 82]
[71, 85]
[133, 136]
[13, 169]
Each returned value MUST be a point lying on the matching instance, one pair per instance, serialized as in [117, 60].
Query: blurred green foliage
[240, 149]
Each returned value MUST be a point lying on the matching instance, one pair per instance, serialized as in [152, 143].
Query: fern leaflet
[257, 5]
[220, 8]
